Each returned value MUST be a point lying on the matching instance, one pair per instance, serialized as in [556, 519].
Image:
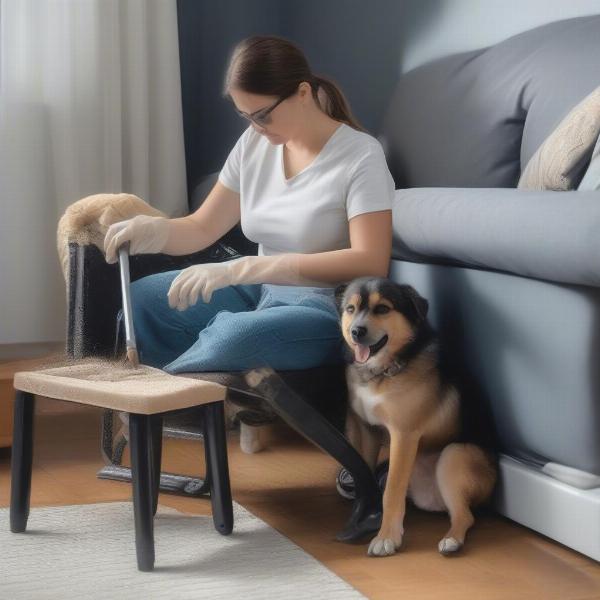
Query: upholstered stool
[146, 394]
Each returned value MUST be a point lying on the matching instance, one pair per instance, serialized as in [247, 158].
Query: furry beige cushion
[559, 162]
[87, 220]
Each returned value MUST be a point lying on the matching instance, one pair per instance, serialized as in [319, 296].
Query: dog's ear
[339, 294]
[419, 304]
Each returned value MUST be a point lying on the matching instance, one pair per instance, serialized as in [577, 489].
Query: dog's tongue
[361, 353]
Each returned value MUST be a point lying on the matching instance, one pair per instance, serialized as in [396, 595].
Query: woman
[310, 186]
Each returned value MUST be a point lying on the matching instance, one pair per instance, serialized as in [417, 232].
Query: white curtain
[90, 102]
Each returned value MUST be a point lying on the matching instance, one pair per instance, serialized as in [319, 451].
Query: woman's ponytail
[332, 101]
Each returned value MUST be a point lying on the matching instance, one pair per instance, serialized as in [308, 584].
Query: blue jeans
[242, 327]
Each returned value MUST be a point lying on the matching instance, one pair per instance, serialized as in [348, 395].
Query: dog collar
[394, 368]
[390, 371]
[398, 366]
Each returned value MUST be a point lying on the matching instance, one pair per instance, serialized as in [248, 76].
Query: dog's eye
[350, 309]
[381, 309]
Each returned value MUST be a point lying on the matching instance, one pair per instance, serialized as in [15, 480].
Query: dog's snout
[358, 332]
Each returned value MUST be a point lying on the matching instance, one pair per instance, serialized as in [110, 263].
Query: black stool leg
[157, 434]
[217, 468]
[21, 460]
[367, 511]
[140, 448]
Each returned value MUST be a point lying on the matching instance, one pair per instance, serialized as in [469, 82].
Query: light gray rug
[88, 551]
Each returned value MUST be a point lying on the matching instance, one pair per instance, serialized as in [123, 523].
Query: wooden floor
[290, 486]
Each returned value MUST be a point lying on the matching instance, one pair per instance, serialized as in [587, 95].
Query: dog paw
[383, 546]
[256, 376]
[449, 545]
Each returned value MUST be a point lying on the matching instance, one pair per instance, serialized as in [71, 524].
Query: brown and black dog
[397, 394]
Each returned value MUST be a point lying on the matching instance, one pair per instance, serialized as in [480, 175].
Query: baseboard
[560, 511]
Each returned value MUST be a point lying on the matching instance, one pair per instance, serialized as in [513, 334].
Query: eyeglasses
[262, 116]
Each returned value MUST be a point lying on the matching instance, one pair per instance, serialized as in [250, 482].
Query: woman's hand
[195, 280]
[281, 269]
[145, 234]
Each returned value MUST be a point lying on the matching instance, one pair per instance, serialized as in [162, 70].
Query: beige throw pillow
[559, 162]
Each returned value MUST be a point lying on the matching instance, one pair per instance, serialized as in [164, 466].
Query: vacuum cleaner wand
[132, 353]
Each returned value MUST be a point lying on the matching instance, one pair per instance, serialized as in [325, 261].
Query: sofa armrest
[541, 234]
[95, 292]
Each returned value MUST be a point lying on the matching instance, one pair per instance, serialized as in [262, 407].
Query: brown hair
[274, 66]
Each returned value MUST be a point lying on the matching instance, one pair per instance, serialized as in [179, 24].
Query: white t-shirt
[309, 212]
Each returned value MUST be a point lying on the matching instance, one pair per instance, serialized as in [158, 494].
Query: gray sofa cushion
[543, 234]
[475, 119]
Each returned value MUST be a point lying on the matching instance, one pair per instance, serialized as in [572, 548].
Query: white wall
[436, 28]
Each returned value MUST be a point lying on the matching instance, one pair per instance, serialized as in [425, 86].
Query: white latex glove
[145, 235]
[203, 279]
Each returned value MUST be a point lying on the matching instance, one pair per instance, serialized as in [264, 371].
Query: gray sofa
[512, 276]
